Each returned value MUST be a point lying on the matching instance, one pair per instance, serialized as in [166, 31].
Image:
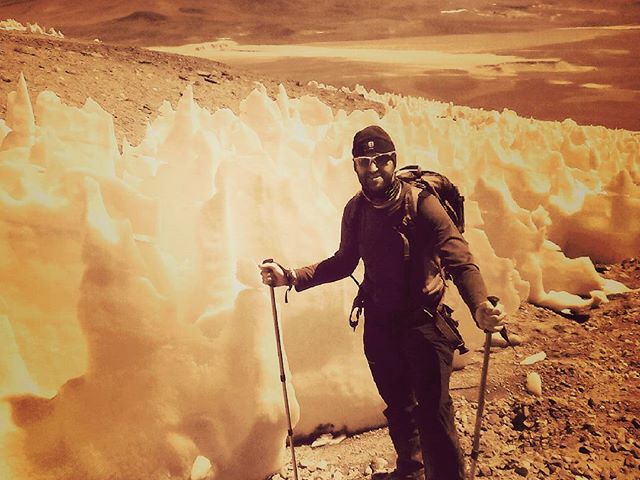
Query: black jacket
[395, 286]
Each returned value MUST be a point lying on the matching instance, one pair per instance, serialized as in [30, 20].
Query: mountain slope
[286, 21]
[132, 82]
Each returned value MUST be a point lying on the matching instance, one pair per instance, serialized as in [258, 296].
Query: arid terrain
[549, 60]
[131, 83]
[586, 424]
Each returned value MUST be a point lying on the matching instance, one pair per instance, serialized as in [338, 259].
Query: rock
[626, 447]
[322, 440]
[498, 341]
[379, 464]
[508, 449]
[92, 54]
[585, 450]
[353, 473]
[306, 463]
[25, 50]
[518, 421]
[534, 384]
[631, 462]
[531, 359]
[201, 468]
[484, 471]
[522, 471]
[322, 465]
[338, 439]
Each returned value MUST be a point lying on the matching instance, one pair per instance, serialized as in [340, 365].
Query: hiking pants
[411, 367]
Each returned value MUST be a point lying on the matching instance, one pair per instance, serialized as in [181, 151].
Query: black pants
[411, 367]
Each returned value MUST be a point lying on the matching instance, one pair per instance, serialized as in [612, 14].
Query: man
[409, 358]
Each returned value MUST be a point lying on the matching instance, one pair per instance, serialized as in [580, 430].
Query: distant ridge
[143, 15]
[285, 21]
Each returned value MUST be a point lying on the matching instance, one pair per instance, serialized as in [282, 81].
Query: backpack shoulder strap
[413, 199]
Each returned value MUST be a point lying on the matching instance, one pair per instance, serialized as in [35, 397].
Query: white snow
[457, 10]
[201, 468]
[534, 384]
[131, 296]
[13, 25]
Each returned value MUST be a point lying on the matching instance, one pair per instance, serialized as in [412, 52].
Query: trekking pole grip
[269, 260]
[503, 332]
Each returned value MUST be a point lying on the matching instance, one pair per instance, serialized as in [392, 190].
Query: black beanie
[371, 140]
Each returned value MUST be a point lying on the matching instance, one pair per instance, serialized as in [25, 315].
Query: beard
[377, 186]
[380, 190]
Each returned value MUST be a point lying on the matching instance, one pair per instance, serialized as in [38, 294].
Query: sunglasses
[380, 159]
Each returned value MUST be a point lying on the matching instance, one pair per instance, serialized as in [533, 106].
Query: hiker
[402, 292]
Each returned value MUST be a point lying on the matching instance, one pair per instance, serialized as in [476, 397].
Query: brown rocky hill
[287, 21]
[131, 83]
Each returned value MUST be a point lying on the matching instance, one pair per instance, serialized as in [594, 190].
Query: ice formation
[13, 25]
[137, 339]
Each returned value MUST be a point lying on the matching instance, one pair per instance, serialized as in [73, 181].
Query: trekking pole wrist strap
[291, 278]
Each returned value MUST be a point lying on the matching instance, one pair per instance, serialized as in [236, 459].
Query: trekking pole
[283, 378]
[475, 450]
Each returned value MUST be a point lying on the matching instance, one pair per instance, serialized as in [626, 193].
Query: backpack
[439, 186]
[428, 182]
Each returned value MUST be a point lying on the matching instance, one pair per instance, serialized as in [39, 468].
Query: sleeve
[454, 253]
[342, 263]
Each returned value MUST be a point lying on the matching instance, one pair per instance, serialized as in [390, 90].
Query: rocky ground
[585, 425]
[131, 83]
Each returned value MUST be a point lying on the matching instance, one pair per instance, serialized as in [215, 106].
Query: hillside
[286, 21]
[132, 82]
[548, 60]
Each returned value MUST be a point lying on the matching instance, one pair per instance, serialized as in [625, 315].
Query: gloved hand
[274, 275]
[489, 318]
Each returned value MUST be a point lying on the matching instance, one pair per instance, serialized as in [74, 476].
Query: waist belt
[423, 315]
